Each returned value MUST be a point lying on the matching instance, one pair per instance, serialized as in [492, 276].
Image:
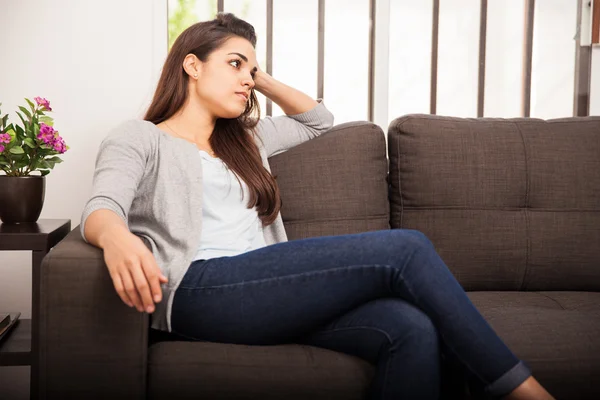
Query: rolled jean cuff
[509, 381]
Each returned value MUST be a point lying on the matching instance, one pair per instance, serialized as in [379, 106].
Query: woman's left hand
[260, 79]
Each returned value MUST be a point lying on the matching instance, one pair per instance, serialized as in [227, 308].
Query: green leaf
[35, 164]
[22, 163]
[4, 163]
[16, 150]
[47, 120]
[25, 111]
[12, 134]
[44, 172]
[20, 132]
[35, 129]
[5, 120]
[30, 104]
[29, 142]
[22, 119]
[8, 128]
[56, 160]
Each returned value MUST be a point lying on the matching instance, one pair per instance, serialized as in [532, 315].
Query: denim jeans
[384, 296]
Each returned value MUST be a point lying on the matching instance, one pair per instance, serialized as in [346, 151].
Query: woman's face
[226, 79]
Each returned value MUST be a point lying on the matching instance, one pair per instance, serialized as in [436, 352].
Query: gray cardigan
[153, 181]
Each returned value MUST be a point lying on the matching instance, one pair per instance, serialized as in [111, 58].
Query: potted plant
[32, 146]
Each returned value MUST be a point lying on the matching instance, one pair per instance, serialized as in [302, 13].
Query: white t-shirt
[229, 228]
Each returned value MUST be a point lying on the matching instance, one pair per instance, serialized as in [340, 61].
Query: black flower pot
[21, 198]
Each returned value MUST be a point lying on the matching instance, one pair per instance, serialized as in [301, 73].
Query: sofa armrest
[91, 344]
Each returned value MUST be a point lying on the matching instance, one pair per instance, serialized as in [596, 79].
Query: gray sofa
[512, 206]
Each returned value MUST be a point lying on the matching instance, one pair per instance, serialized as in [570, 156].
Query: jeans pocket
[193, 275]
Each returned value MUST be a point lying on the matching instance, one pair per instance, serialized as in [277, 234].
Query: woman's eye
[235, 61]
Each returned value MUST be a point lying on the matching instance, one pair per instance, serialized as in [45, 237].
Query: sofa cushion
[179, 370]
[510, 204]
[555, 333]
[336, 183]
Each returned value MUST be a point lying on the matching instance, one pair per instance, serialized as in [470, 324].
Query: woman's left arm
[291, 101]
[305, 117]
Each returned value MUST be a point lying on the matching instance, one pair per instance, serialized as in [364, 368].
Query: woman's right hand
[133, 269]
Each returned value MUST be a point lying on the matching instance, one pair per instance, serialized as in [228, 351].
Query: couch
[511, 205]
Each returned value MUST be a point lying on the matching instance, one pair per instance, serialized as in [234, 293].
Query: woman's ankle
[529, 390]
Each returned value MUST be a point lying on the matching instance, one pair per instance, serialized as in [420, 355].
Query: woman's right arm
[103, 225]
[132, 267]
[120, 166]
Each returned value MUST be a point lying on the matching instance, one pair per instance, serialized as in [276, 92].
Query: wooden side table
[19, 347]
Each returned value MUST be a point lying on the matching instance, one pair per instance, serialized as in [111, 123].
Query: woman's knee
[416, 237]
[411, 241]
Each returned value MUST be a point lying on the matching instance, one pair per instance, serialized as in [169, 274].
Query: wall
[97, 63]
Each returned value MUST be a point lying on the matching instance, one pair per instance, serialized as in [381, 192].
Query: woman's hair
[232, 139]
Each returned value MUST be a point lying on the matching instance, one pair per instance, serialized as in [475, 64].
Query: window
[458, 58]
[454, 84]
[504, 58]
[295, 44]
[183, 13]
[410, 57]
[346, 77]
[553, 62]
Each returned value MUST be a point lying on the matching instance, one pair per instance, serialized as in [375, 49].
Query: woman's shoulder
[134, 131]
[134, 127]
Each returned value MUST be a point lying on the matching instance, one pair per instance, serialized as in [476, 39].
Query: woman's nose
[249, 82]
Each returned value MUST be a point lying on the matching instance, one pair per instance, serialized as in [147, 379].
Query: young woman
[187, 213]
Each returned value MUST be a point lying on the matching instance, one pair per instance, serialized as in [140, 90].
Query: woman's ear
[192, 66]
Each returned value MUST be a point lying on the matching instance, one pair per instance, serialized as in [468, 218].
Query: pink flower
[51, 138]
[4, 138]
[1, 148]
[59, 145]
[43, 102]
[46, 134]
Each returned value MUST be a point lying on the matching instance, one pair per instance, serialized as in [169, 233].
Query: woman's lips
[242, 96]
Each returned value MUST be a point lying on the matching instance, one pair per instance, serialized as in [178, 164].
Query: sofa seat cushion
[555, 333]
[179, 369]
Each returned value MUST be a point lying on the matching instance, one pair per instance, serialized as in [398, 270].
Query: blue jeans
[384, 296]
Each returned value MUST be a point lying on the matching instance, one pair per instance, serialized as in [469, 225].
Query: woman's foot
[529, 390]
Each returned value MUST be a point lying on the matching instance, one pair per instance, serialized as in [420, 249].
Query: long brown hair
[232, 139]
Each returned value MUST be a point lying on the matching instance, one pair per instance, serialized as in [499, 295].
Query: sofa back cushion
[510, 204]
[334, 184]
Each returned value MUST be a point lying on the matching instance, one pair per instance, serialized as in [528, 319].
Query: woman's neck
[192, 124]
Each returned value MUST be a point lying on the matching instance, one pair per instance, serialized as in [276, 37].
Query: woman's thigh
[280, 292]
